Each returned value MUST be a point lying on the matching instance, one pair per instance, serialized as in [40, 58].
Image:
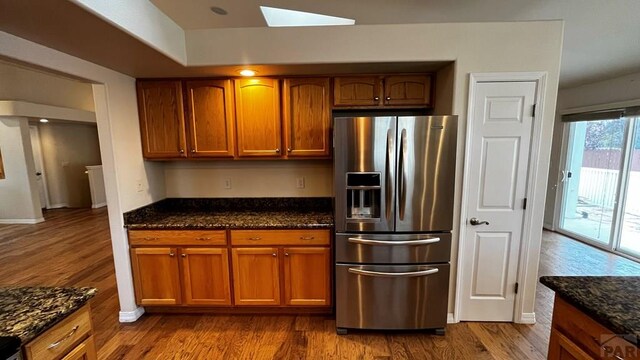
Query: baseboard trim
[102, 204]
[58, 206]
[527, 318]
[21, 221]
[131, 316]
[450, 319]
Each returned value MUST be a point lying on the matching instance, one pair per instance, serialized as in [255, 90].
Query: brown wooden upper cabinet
[307, 117]
[211, 118]
[380, 91]
[258, 117]
[161, 119]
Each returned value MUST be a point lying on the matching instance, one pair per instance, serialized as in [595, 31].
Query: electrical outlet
[227, 183]
[139, 187]
[300, 182]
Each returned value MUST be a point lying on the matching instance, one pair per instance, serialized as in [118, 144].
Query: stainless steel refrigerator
[394, 187]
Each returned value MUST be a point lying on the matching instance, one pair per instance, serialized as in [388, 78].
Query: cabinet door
[307, 117]
[86, 350]
[161, 119]
[561, 348]
[255, 276]
[407, 90]
[307, 276]
[258, 117]
[356, 91]
[156, 276]
[206, 276]
[210, 118]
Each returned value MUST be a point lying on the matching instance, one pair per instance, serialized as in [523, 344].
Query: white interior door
[39, 167]
[499, 138]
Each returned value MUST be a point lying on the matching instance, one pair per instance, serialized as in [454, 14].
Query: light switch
[227, 183]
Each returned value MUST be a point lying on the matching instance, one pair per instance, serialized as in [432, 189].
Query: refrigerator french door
[394, 182]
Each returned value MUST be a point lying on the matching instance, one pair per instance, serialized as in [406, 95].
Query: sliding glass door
[593, 167]
[601, 183]
[630, 228]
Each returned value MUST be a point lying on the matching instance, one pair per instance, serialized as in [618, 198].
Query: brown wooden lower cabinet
[70, 339]
[307, 275]
[255, 276]
[576, 336]
[257, 268]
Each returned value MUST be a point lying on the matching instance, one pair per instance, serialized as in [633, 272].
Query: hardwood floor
[72, 248]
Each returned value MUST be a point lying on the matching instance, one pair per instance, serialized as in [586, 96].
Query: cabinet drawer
[60, 339]
[177, 237]
[589, 335]
[280, 237]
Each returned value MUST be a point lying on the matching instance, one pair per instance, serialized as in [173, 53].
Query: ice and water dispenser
[364, 191]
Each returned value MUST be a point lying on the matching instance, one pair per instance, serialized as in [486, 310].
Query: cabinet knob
[288, 149]
[274, 254]
[184, 255]
[376, 98]
[181, 151]
[388, 98]
[286, 254]
[193, 151]
[172, 254]
[278, 150]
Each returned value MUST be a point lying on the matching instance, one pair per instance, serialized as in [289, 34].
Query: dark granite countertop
[613, 301]
[26, 312]
[233, 213]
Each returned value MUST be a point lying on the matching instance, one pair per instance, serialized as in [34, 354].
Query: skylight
[277, 17]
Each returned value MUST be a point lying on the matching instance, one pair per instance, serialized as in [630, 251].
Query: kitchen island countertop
[26, 312]
[610, 300]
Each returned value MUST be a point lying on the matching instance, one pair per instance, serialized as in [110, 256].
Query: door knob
[474, 221]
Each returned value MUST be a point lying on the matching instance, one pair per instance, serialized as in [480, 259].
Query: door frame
[43, 176]
[540, 78]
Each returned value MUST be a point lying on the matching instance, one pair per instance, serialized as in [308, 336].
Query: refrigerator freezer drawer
[393, 248]
[391, 296]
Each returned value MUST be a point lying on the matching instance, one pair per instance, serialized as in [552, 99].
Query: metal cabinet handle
[473, 221]
[394, 274]
[386, 242]
[172, 254]
[181, 151]
[286, 254]
[193, 150]
[274, 254]
[388, 98]
[278, 150]
[70, 334]
[151, 238]
[376, 98]
[203, 238]
[288, 149]
[184, 255]
[307, 237]
[255, 238]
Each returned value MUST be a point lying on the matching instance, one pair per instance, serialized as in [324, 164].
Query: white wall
[117, 118]
[67, 149]
[620, 91]
[20, 83]
[249, 178]
[19, 201]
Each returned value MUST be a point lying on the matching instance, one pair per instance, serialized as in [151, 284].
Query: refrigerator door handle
[429, 271]
[384, 242]
[402, 156]
[389, 175]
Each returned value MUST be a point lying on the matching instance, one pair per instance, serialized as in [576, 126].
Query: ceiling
[600, 35]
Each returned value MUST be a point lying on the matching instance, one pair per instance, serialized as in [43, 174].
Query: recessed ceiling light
[277, 17]
[247, 72]
[44, 120]
[219, 10]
